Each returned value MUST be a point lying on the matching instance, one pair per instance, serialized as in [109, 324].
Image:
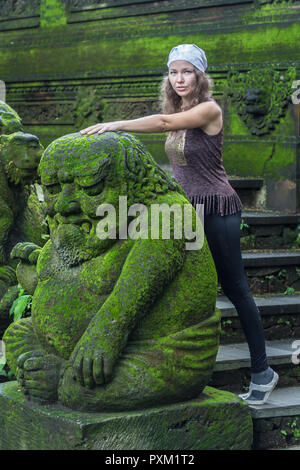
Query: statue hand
[26, 251]
[93, 361]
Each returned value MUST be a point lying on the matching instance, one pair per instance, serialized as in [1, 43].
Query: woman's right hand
[100, 128]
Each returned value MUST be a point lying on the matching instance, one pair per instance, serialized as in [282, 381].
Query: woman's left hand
[102, 127]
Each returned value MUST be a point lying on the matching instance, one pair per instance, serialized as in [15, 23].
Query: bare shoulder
[214, 121]
[210, 107]
[202, 115]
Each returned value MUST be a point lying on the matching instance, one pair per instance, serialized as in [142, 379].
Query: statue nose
[68, 202]
[72, 207]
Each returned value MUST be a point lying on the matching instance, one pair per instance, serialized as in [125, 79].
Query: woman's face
[182, 78]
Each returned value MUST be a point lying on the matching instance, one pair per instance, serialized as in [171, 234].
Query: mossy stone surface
[117, 323]
[216, 420]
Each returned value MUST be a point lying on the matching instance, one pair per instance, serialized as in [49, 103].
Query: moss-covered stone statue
[20, 211]
[117, 324]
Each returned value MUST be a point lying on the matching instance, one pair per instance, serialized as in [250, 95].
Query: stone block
[215, 420]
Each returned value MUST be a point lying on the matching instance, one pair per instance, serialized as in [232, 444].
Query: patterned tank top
[196, 160]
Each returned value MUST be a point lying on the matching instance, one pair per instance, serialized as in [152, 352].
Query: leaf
[20, 306]
[2, 364]
[12, 308]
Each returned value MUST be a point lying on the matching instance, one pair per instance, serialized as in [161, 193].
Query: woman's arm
[200, 115]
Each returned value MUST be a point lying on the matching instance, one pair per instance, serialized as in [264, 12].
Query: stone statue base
[215, 420]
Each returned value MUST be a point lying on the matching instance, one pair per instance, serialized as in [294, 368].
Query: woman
[194, 146]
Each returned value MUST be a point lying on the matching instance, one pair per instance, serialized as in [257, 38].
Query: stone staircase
[272, 265]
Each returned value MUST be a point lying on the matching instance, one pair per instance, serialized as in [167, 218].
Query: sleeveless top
[196, 160]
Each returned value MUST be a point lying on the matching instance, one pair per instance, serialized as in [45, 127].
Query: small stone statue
[117, 323]
[20, 211]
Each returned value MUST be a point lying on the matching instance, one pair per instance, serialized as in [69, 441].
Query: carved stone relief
[261, 96]
[13, 8]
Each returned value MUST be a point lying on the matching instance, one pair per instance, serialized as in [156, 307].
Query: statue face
[256, 101]
[21, 154]
[24, 150]
[75, 183]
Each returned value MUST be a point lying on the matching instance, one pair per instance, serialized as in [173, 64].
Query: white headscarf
[191, 53]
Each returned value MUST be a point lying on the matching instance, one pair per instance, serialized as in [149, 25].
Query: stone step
[276, 271]
[283, 401]
[280, 317]
[271, 258]
[236, 356]
[269, 230]
[275, 304]
[287, 448]
[276, 424]
[245, 183]
[232, 368]
[264, 217]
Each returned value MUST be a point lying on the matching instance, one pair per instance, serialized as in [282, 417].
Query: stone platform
[215, 420]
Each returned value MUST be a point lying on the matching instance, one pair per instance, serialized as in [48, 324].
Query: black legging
[223, 235]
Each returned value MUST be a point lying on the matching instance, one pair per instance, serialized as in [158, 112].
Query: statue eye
[53, 188]
[93, 190]
[33, 145]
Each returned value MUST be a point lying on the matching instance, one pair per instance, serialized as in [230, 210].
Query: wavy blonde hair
[171, 103]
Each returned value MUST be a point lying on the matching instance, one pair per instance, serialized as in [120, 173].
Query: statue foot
[38, 375]
[75, 396]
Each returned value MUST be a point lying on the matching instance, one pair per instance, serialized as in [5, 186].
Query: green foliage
[282, 274]
[227, 322]
[270, 277]
[243, 225]
[21, 307]
[295, 430]
[289, 291]
[283, 321]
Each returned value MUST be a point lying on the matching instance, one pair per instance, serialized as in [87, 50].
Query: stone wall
[70, 63]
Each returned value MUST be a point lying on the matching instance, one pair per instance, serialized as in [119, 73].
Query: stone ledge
[236, 356]
[282, 402]
[216, 420]
[268, 305]
[246, 183]
[269, 218]
[273, 258]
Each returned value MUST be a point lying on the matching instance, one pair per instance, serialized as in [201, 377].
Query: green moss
[215, 420]
[125, 56]
[147, 306]
[53, 13]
